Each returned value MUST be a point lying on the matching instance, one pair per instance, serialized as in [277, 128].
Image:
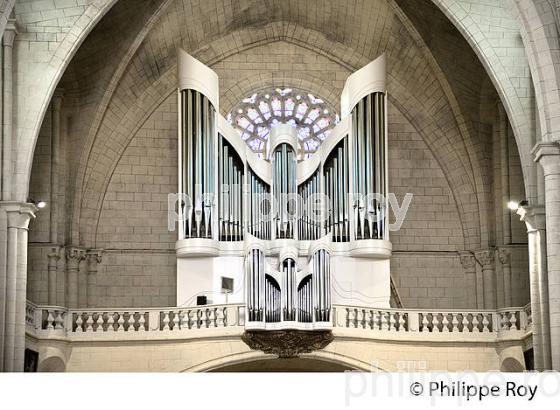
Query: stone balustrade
[415, 321]
[60, 322]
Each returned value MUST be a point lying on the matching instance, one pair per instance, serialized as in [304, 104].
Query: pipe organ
[197, 125]
[230, 182]
[258, 207]
[368, 121]
[309, 228]
[335, 173]
[284, 184]
[296, 235]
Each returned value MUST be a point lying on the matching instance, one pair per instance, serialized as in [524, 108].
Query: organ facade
[286, 231]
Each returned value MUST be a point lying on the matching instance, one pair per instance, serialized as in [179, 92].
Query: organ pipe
[259, 220]
[284, 186]
[321, 283]
[336, 178]
[198, 128]
[369, 144]
[255, 284]
[230, 182]
[289, 289]
[309, 228]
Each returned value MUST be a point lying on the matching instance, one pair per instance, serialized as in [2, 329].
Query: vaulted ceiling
[127, 66]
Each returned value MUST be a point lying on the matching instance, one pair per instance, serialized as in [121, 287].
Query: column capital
[467, 260]
[10, 33]
[94, 255]
[504, 255]
[75, 254]
[54, 253]
[547, 154]
[486, 257]
[19, 213]
[533, 216]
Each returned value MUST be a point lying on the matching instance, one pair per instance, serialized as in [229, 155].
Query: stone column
[469, 270]
[504, 177]
[94, 258]
[486, 258]
[55, 153]
[73, 258]
[547, 154]
[7, 109]
[53, 257]
[504, 255]
[534, 218]
[18, 216]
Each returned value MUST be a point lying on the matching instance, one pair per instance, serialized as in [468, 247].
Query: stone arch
[512, 365]
[519, 110]
[31, 111]
[237, 359]
[540, 35]
[52, 364]
[423, 126]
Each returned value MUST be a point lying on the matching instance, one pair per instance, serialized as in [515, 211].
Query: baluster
[445, 322]
[464, 323]
[513, 325]
[225, 316]
[401, 322]
[347, 317]
[454, 323]
[50, 320]
[175, 321]
[190, 320]
[89, 323]
[502, 317]
[476, 323]
[425, 323]
[182, 321]
[142, 322]
[131, 321]
[485, 323]
[199, 320]
[218, 317]
[363, 321]
[58, 319]
[120, 322]
[99, 322]
[111, 322]
[166, 321]
[79, 322]
[384, 321]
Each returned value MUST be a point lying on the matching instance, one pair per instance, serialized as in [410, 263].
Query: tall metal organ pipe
[309, 226]
[255, 265]
[336, 179]
[289, 290]
[284, 187]
[230, 182]
[369, 166]
[305, 300]
[272, 300]
[258, 207]
[321, 282]
[198, 132]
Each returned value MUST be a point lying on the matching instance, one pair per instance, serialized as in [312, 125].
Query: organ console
[296, 235]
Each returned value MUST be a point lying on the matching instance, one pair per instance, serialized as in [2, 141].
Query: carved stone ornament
[287, 343]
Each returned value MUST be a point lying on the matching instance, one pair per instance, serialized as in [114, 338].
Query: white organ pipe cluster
[198, 126]
[258, 221]
[230, 181]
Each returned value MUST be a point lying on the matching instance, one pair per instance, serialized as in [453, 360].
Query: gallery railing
[60, 322]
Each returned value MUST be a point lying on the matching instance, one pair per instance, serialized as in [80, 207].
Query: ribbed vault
[140, 74]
